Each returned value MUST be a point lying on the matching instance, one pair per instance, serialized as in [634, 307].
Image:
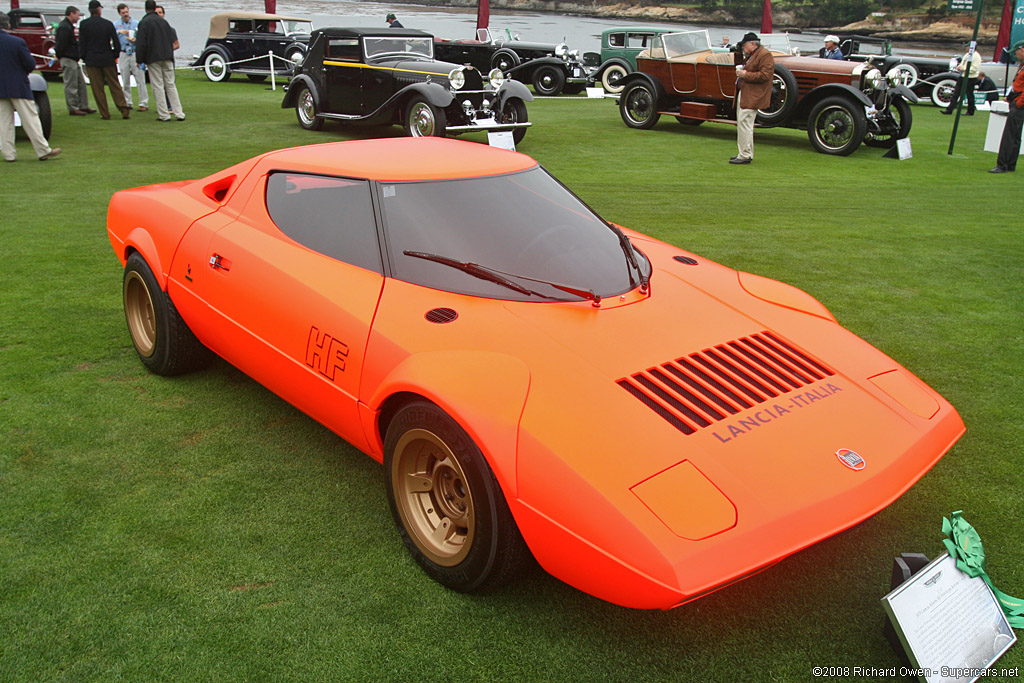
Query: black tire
[837, 125]
[611, 78]
[785, 94]
[256, 78]
[422, 119]
[216, 67]
[944, 92]
[514, 111]
[42, 100]
[689, 122]
[548, 80]
[504, 60]
[305, 109]
[638, 106]
[165, 344]
[899, 109]
[296, 55]
[449, 509]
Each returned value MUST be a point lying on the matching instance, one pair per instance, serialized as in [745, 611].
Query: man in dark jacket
[66, 47]
[754, 81]
[154, 47]
[100, 49]
[16, 64]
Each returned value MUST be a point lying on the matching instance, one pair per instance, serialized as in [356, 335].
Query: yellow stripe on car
[328, 62]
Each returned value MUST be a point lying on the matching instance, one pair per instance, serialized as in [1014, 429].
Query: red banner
[766, 17]
[1003, 39]
[483, 13]
[270, 6]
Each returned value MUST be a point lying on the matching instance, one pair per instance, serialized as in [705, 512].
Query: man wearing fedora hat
[754, 86]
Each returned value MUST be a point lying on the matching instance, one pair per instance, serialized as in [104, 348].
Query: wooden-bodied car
[840, 104]
[389, 76]
[648, 424]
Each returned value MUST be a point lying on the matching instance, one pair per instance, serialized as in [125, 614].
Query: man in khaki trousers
[754, 82]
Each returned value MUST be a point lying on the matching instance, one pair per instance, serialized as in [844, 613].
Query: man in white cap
[832, 50]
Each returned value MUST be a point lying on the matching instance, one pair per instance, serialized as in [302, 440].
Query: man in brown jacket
[754, 82]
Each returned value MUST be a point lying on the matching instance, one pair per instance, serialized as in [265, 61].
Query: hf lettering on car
[556, 418]
[324, 353]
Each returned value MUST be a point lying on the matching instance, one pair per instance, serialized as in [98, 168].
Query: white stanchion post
[273, 72]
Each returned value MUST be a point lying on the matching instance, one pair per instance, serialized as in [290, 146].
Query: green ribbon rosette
[964, 545]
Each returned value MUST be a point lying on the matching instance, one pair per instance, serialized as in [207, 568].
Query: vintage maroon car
[36, 27]
[840, 104]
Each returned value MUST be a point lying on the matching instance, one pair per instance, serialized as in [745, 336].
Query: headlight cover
[562, 50]
[457, 79]
[873, 78]
[496, 78]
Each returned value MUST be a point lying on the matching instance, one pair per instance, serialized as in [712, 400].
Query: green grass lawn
[201, 528]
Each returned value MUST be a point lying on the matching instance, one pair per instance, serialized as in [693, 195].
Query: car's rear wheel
[504, 60]
[514, 111]
[785, 94]
[837, 126]
[548, 80]
[162, 339]
[296, 56]
[216, 68]
[900, 112]
[638, 106]
[42, 100]
[906, 73]
[610, 79]
[256, 78]
[422, 119]
[449, 508]
[305, 109]
[943, 92]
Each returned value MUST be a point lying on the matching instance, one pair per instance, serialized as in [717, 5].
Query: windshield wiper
[500, 278]
[627, 249]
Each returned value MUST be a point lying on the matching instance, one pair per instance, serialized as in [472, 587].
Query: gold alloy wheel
[433, 497]
[138, 309]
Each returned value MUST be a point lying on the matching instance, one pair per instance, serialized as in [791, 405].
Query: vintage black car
[928, 77]
[840, 104]
[241, 42]
[552, 69]
[389, 76]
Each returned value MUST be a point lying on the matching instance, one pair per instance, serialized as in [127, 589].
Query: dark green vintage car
[619, 48]
[389, 76]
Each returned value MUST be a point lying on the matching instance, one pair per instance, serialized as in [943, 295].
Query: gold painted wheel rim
[433, 497]
[138, 309]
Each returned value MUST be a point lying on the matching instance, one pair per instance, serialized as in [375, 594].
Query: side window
[240, 26]
[332, 216]
[617, 39]
[343, 48]
[639, 40]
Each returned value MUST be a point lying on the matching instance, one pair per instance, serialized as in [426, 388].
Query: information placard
[950, 624]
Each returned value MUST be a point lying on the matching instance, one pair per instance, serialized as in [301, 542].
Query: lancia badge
[851, 459]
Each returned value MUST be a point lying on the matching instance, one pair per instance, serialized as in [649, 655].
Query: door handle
[219, 262]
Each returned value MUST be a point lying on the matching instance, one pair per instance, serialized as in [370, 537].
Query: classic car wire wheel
[638, 106]
[306, 109]
[139, 311]
[433, 497]
[836, 126]
[611, 77]
[944, 92]
[424, 120]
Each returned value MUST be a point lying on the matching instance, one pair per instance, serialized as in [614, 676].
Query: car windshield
[292, 28]
[777, 42]
[407, 46]
[526, 227]
[677, 44]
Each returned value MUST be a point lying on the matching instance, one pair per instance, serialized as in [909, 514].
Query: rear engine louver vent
[696, 390]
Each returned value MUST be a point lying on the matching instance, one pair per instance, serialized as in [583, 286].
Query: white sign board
[501, 139]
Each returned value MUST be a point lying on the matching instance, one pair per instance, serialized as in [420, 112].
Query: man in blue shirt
[832, 50]
[126, 64]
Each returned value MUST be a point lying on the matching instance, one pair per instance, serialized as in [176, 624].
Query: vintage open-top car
[840, 104]
[650, 425]
[241, 42]
[36, 28]
[552, 69]
[387, 76]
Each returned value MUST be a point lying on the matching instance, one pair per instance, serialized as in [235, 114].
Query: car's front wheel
[548, 80]
[785, 94]
[45, 113]
[422, 119]
[611, 77]
[943, 92]
[638, 106]
[514, 111]
[446, 502]
[161, 337]
[216, 68]
[305, 109]
[902, 118]
[837, 126]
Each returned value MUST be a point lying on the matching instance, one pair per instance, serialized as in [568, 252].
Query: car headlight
[562, 50]
[895, 77]
[873, 78]
[457, 79]
[496, 78]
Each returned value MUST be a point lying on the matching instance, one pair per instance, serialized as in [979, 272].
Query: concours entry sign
[951, 625]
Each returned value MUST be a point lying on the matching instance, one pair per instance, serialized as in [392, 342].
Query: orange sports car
[650, 425]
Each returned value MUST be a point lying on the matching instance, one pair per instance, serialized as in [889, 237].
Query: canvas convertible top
[219, 22]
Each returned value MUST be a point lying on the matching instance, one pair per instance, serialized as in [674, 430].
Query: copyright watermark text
[901, 671]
